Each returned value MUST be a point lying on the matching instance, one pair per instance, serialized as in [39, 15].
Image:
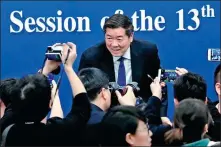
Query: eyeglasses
[107, 87]
[110, 88]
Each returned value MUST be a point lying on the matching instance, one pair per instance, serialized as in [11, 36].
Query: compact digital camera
[123, 90]
[54, 52]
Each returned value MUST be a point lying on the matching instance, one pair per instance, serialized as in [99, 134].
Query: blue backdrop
[23, 53]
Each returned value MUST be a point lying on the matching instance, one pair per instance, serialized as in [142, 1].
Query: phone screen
[169, 75]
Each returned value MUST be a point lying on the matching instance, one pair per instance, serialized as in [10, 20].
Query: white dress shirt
[127, 65]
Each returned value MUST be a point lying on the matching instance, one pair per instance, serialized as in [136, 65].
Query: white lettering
[28, 23]
[80, 24]
[50, 24]
[16, 21]
[159, 20]
[66, 26]
[40, 22]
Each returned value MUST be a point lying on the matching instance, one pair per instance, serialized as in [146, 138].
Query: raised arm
[68, 57]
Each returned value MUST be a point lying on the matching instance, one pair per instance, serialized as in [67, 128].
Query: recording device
[214, 54]
[54, 52]
[168, 75]
[123, 90]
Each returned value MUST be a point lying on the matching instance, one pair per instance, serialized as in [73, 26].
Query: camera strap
[61, 75]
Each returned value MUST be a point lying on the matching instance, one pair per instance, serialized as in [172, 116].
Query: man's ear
[50, 103]
[206, 101]
[206, 127]
[132, 37]
[217, 87]
[103, 94]
[129, 139]
[176, 102]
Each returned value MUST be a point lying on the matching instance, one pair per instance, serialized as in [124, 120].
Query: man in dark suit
[123, 58]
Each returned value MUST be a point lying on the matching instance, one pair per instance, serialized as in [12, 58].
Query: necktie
[121, 73]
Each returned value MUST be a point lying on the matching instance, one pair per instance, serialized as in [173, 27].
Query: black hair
[190, 85]
[6, 87]
[217, 74]
[119, 21]
[93, 79]
[31, 97]
[190, 118]
[119, 121]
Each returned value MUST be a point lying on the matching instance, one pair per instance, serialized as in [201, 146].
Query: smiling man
[123, 58]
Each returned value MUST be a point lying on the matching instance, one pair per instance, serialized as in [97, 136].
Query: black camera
[54, 52]
[123, 90]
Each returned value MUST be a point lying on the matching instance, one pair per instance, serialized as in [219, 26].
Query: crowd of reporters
[94, 121]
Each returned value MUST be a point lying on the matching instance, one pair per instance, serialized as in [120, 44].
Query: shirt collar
[126, 55]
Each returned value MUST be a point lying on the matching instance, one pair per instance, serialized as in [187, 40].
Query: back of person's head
[93, 79]
[217, 74]
[6, 87]
[190, 85]
[121, 126]
[191, 122]
[119, 21]
[31, 97]
[217, 79]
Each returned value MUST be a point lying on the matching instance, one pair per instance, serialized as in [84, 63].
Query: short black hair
[119, 121]
[119, 21]
[190, 85]
[190, 118]
[217, 74]
[93, 79]
[31, 97]
[6, 87]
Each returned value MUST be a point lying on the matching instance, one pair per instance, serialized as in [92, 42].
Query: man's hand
[68, 60]
[50, 66]
[181, 71]
[53, 90]
[156, 88]
[128, 99]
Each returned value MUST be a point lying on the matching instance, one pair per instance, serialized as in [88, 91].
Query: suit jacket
[144, 60]
[96, 114]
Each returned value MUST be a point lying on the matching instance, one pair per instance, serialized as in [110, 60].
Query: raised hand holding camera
[50, 66]
[69, 54]
[127, 99]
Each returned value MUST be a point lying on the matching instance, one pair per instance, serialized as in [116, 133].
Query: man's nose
[114, 43]
[150, 133]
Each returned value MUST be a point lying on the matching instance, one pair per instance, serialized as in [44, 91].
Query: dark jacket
[58, 132]
[144, 60]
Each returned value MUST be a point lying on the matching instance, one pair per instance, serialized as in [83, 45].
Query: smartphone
[214, 54]
[168, 75]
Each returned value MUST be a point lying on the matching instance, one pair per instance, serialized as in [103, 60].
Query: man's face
[142, 137]
[218, 88]
[117, 42]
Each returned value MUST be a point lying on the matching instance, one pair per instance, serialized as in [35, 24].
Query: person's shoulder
[95, 49]
[144, 44]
